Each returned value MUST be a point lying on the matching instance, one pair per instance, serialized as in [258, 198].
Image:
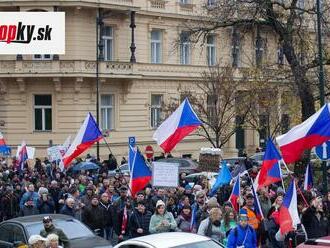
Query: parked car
[211, 176]
[18, 230]
[257, 158]
[232, 162]
[171, 240]
[185, 164]
[122, 169]
[320, 242]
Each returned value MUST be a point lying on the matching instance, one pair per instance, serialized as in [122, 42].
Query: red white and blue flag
[257, 206]
[235, 194]
[22, 156]
[312, 132]
[289, 217]
[3, 147]
[88, 134]
[178, 125]
[270, 171]
[139, 171]
[308, 183]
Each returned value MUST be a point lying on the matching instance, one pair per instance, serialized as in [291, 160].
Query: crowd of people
[103, 203]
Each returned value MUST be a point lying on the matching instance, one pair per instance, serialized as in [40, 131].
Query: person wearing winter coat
[161, 220]
[46, 204]
[92, 216]
[107, 215]
[210, 227]
[68, 208]
[184, 219]
[229, 222]
[9, 204]
[49, 228]
[315, 220]
[140, 220]
[29, 198]
[243, 235]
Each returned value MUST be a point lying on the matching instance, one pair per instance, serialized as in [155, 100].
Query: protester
[184, 219]
[36, 241]
[93, 216]
[161, 220]
[52, 241]
[49, 228]
[106, 207]
[211, 226]
[228, 222]
[140, 220]
[68, 208]
[243, 235]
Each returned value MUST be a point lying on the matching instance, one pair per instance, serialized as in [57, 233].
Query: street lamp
[321, 81]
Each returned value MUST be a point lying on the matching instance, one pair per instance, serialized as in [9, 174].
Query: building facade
[45, 98]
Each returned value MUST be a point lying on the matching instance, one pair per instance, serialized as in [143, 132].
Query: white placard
[30, 151]
[165, 174]
[32, 33]
[56, 152]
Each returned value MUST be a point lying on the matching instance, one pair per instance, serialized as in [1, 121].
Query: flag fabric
[67, 142]
[308, 183]
[178, 125]
[3, 146]
[22, 156]
[193, 220]
[289, 217]
[270, 171]
[257, 206]
[139, 171]
[312, 132]
[88, 134]
[235, 194]
[224, 177]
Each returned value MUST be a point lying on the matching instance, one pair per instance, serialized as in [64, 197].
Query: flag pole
[107, 143]
[292, 177]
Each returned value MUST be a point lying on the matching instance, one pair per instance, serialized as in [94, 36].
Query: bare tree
[291, 21]
[217, 102]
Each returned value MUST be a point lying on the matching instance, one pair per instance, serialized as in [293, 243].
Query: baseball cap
[47, 219]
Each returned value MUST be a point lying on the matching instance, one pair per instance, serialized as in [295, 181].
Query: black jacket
[67, 211]
[92, 216]
[107, 211]
[138, 220]
[315, 228]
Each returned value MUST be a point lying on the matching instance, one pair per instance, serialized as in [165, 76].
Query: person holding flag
[224, 177]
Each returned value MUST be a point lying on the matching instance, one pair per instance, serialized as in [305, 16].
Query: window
[301, 5]
[280, 56]
[43, 112]
[155, 110]
[211, 55]
[259, 46]
[212, 101]
[42, 57]
[184, 48]
[107, 112]
[108, 42]
[211, 3]
[11, 233]
[184, 1]
[156, 46]
[235, 48]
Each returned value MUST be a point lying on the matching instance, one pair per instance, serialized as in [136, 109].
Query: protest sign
[165, 174]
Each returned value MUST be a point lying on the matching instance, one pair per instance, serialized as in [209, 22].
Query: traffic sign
[131, 141]
[323, 151]
[149, 152]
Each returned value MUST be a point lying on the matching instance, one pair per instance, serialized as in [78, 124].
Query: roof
[170, 239]
[38, 218]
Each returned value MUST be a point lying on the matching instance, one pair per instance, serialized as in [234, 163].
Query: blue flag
[224, 177]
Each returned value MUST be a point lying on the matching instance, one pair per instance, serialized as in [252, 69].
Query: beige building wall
[71, 80]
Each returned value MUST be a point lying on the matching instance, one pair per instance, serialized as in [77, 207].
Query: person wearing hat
[87, 198]
[92, 216]
[199, 208]
[249, 208]
[46, 204]
[9, 204]
[140, 220]
[161, 220]
[36, 241]
[49, 228]
[243, 235]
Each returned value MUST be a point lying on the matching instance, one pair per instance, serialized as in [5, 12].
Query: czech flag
[257, 207]
[308, 183]
[270, 169]
[177, 126]
[88, 134]
[289, 217]
[234, 196]
[22, 156]
[3, 147]
[312, 132]
[139, 171]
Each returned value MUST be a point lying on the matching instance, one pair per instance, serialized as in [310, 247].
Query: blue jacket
[237, 235]
[33, 196]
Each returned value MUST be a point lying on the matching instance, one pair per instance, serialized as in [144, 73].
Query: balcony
[107, 69]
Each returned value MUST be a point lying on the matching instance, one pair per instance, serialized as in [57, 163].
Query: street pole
[321, 82]
[98, 19]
